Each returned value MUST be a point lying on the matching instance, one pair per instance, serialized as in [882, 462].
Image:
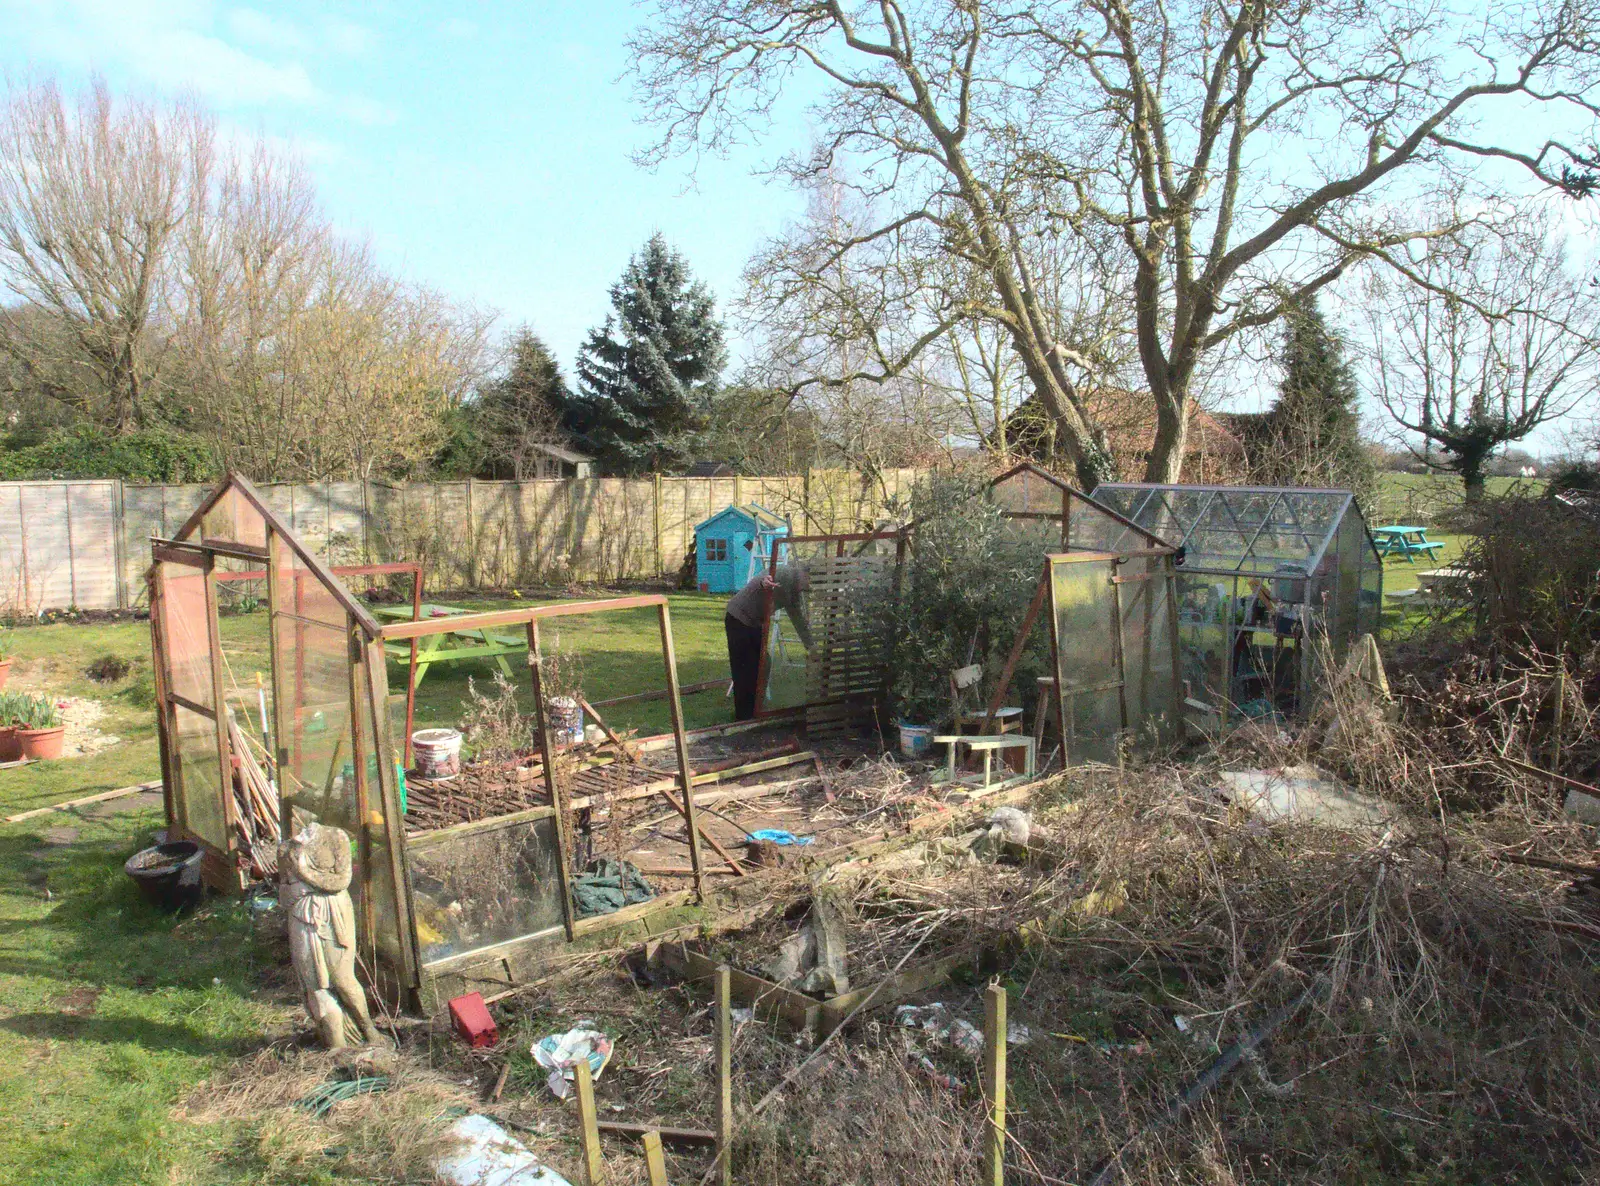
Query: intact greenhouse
[1264, 573]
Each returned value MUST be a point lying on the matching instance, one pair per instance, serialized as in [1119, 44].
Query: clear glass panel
[200, 777]
[1204, 617]
[185, 637]
[315, 723]
[846, 610]
[375, 881]
[236, 520]
[1029, 492]
[1148, 648]
[1234, 528]
[1091, 529]
[1087, 666]
[483, 888]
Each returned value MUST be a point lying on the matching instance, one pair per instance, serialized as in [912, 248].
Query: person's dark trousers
[744, 661]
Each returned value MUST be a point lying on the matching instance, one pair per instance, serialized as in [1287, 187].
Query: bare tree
[92, 193]
[827, 330]
[254, 252]
[1244, 151]
[1491, 335]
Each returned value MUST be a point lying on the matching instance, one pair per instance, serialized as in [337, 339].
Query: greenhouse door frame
[1118, 675]
[219, 865]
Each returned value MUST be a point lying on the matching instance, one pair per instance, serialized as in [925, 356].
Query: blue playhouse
[734, 544]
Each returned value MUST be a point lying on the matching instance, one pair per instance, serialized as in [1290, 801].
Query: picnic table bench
[1400, 539]
[455, 646]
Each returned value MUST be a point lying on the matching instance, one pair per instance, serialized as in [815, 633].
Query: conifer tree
[647, 376]
[1312, 435]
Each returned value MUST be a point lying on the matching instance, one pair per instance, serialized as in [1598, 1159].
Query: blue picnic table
[1400, 539]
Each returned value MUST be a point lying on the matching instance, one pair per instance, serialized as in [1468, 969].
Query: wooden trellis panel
[847, 669]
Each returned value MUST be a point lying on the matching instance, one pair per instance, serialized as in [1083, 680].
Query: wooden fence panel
[88, 543]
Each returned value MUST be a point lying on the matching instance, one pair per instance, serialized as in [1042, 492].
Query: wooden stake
[655, 1161]
[994, 1085]
[1560, 707]
[724, 1076]
[588, 1126]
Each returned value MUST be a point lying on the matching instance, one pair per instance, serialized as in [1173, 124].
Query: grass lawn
[111, 1013]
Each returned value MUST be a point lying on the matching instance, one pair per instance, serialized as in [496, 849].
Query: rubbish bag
[490, 1156]
[559, 1054]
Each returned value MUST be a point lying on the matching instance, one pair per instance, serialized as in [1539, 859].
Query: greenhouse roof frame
[1262, 522]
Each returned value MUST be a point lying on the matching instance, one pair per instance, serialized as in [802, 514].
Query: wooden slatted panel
[848, 667]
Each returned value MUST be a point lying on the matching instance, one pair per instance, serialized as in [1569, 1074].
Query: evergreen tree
[647, 376]
[496, 433]
[1312, 436]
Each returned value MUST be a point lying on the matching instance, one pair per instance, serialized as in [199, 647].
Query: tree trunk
[1470, 466]
[1165, 464]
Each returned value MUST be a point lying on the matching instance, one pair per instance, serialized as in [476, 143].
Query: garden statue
[314, 868]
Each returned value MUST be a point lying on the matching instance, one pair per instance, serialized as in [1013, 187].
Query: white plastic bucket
[437, 752]
[915, 740]
[566, 721]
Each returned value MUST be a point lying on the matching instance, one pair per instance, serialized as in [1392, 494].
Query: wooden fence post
[588, 1125]
[724, 1013]
[654, 1160]
[994, 1085]
[660, 550]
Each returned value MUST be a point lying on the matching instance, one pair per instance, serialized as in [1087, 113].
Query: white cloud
[239, 58]
[460, 28]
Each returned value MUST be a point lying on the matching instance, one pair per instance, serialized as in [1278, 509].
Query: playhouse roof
[1256, 529]
[755, 512]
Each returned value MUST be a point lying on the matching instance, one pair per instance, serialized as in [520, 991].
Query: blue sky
[483, 148]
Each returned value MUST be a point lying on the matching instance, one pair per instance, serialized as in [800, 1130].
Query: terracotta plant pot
[10, 747]
[5, 671]
[42, 744]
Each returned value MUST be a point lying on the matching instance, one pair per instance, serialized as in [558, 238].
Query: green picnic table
[453, 646]
[1400, 539]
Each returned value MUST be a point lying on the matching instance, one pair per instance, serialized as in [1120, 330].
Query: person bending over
[743, 623]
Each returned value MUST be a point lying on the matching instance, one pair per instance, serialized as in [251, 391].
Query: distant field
[1423, 498]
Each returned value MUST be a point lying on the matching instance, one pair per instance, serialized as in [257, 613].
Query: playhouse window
[716, 549]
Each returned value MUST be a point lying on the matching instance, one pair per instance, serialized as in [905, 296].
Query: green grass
[1423, 498]
[88, 1091]
[110, 1013]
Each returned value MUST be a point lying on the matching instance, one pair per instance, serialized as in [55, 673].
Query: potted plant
[10, 709]
[40, 729]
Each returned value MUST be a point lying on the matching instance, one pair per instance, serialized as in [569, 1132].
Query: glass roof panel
[1254, 529]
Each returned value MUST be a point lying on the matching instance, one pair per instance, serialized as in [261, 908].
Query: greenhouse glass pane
[1087, 660]
[487, 887]
[200, 777]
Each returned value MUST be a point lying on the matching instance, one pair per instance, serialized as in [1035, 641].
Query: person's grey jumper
[748, 604]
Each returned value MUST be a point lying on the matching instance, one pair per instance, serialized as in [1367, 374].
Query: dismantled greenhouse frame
[334, 757]
[1264, 573]
[1108, 584]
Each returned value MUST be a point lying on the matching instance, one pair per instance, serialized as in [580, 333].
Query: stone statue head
[319, 855]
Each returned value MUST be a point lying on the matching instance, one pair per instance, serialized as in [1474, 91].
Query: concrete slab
[1303, 793]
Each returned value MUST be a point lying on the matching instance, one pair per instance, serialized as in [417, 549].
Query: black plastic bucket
[168, 875]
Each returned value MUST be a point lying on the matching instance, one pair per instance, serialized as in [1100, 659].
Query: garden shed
[1265, 574]
[734, 544]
